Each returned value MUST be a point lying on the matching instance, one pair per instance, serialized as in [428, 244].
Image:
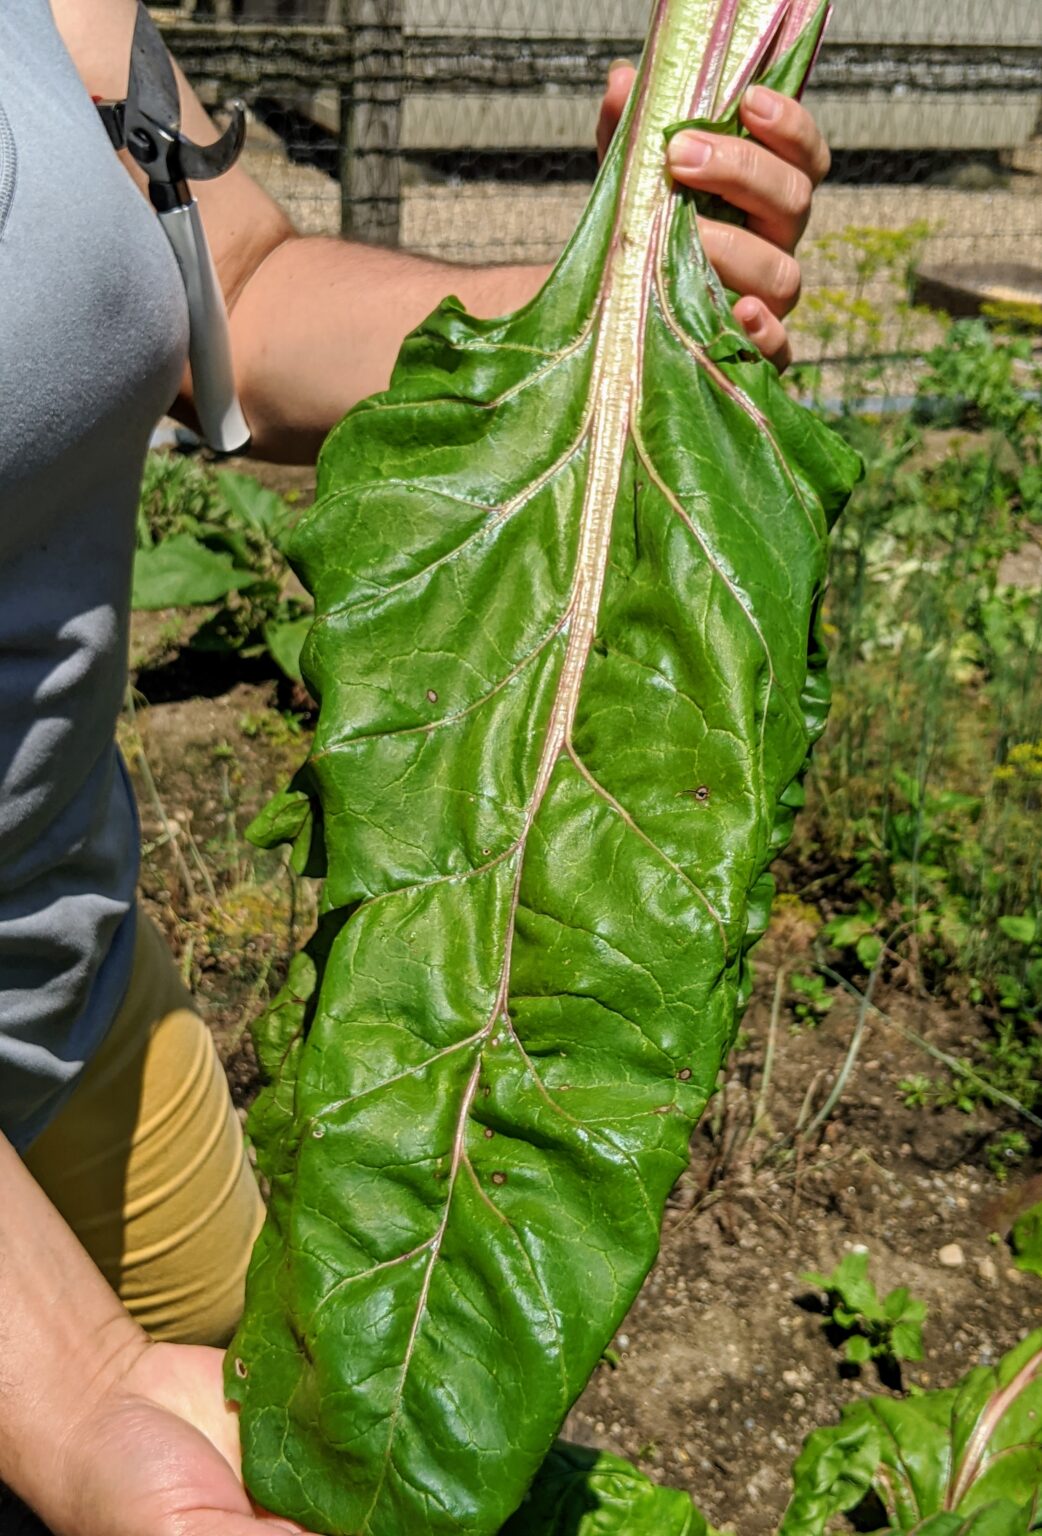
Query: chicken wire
[473, 122]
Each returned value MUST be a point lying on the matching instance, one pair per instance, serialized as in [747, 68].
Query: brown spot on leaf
[241, 1369]
[685, 1074]
[499, 1177]
[489, 1133]
[432, 697]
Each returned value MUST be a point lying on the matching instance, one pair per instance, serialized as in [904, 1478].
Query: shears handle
[210, 355]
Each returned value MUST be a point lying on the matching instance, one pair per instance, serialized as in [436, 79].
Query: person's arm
[317, 323]
[103, 1433]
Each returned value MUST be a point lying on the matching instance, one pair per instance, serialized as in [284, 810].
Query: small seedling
[888, 1329]
[918, 1092]
[814, 1000]
[1005, 1151]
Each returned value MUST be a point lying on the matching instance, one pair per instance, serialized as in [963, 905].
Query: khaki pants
[146, 1162]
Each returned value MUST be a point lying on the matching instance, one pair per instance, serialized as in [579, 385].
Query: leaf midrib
[622, 315]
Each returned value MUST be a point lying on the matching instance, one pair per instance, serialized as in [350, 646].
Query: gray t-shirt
[93, 337]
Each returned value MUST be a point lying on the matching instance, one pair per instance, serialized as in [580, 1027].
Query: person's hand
[770, 177]
[158, 1455]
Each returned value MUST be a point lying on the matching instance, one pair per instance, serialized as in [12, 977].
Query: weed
[888, 1329]
[917, 1092]
[1006, 1151]
[218, 539]
[814, 1000]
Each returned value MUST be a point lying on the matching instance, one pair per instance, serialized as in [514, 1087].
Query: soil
[723, 1365]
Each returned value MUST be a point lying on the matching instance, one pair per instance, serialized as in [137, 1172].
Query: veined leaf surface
[567, 572]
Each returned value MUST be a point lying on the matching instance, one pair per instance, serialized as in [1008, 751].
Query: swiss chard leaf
[967, 1458]
[567, 576]
[590, 1493]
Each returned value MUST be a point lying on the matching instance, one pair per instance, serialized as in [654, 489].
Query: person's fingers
[217, 1522]
[775, 194]
[751, 266]
[788, 129]
[765, 330]
[620, 83]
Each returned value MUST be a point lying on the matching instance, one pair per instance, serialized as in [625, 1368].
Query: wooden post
[370, 123]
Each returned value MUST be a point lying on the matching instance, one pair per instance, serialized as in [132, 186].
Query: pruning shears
[147, 124]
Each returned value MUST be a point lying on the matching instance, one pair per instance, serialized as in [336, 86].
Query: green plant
[814, 1000]
[917, 1092]
[1005, 1151]
[888, 1329]
[868, 325]
[206, 538]
[1026, 1241]
[566, 705]
[962, 1461]
[965, 1461]
[927, 789]
[591, 1493]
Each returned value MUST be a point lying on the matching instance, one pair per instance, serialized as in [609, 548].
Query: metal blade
[210, 160]
[152, 91]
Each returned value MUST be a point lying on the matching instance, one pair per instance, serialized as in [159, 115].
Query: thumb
[215, 1522]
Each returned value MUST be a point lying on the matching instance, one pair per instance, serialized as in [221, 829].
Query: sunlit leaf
[567, 573]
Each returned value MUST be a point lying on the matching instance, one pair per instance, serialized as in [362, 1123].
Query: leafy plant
[814, 1000]
[565, 573]
[926, 792]
[964, 1460]
[917, 1092]
[1026, 1241]
[1005, 1151]
[205, 538]
[591, 1493]
[889, 1329]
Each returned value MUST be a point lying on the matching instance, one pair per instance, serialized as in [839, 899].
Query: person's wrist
[63, 1427]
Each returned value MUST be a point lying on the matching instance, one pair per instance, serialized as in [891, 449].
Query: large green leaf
[260, 508]
[183, 573]
[969, 1457]
[567, 576]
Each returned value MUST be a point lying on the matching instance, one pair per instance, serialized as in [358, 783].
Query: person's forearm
[65, 1339]
[319, 325]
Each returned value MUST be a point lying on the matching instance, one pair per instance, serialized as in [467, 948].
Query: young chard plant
[966, 1461]
[567, 575]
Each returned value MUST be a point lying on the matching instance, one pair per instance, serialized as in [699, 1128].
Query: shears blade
[153, 85]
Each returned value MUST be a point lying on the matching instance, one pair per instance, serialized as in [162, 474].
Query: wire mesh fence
[464, 129]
